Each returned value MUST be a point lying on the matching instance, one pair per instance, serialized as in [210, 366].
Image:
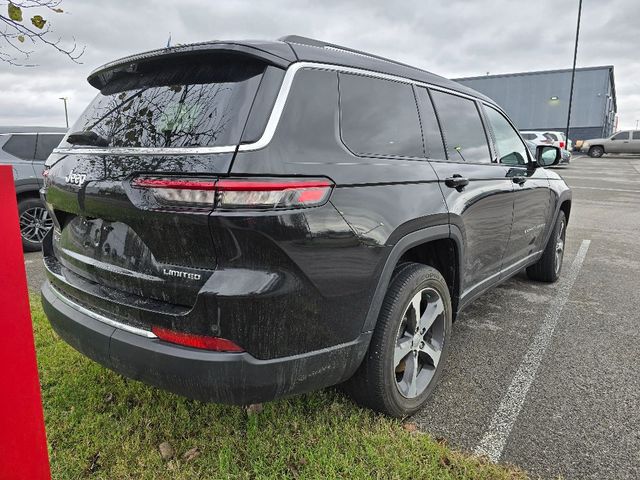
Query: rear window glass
[199, 103]
[21, 146]
[45, 145]
[529, 136]
[551, 136]
[462, 127]
[379, 117]
[636, 135]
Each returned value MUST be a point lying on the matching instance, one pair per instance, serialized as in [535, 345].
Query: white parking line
[494, 440]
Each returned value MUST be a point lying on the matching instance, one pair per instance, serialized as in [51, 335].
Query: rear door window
[434, 145]
[379, 117]
[22, 146]
[45, 145]
[195, 102]
[462, 128]
[636, 135]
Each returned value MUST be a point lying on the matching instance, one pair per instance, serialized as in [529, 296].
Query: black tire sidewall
[596, 152]
[23, 205]
[409, 282]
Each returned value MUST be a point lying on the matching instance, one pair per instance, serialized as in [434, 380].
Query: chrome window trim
[274, 117]
[102, 318]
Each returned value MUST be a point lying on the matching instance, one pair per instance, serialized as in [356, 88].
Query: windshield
[185, 104]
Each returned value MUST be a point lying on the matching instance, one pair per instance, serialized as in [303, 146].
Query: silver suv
[26, 149]
[627, 141]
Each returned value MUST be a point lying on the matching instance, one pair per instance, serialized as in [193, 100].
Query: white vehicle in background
[559, 140]
[539, 138]
[549, 138]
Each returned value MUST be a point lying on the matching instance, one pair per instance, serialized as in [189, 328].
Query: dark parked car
[26, 149]
[241, 221]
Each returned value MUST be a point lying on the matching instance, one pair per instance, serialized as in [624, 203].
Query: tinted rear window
[379, 117]
[45, 145]
[462, 128]
[21, 146]
[199, 102]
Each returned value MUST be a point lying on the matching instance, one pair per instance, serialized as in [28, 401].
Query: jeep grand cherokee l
[241, 221]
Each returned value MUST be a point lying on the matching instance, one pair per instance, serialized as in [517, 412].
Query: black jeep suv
[240, 221]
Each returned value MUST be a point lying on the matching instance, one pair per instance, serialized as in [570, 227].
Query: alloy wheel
[35, 223]
[419, 343]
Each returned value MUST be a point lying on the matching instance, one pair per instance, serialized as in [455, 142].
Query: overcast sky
[453, 38]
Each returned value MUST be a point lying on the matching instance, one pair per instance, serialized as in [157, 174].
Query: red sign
[23, 443]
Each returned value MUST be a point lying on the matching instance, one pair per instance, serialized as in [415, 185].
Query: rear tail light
[561, 144]
[237, 193]
[271, 194]
[196, 341]
[185, 193]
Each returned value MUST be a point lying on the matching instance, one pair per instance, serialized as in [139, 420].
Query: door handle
[456, 181]
[519, 180]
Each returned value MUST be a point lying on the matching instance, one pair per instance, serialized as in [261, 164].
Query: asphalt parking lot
[547, 376]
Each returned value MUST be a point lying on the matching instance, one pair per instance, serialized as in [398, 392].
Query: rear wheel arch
[420, 247]
[566, 208]
[27, 194]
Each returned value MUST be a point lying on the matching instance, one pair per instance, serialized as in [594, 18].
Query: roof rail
[332, 46]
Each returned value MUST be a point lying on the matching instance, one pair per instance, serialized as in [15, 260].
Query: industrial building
[540, 100]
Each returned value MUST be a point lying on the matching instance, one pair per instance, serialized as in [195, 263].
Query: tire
[548, 268]
[402, 344]
[35, 222]
[596, 152]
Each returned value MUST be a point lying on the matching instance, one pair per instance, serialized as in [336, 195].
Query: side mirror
[547, 155]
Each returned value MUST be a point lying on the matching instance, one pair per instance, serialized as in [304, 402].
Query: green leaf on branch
[21, 38]
[38, 21]
[15, 12]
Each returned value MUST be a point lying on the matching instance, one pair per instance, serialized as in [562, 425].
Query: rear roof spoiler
[102, 75]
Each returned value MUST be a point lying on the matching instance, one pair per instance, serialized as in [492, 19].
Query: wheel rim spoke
[432, 351]
[403, 347]
[432, 312]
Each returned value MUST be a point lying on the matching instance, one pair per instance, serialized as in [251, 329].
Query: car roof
[290, 49]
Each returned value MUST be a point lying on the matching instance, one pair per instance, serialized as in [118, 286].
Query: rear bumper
[237, 378]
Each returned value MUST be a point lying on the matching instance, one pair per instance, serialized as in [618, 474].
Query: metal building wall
[527, 98]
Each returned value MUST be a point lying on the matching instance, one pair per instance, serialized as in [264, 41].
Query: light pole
[66, 113]
[573, 70]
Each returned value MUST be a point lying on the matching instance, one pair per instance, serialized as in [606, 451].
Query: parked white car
[627, 141]
[549, 138]
[559, 139]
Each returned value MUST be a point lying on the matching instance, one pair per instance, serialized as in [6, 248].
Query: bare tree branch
[18, 29]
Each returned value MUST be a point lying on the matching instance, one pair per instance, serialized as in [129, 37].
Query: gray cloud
[453, 39]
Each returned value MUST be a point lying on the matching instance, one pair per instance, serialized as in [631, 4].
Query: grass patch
[101, 425]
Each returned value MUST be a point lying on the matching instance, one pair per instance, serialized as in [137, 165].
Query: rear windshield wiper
[87, 137]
